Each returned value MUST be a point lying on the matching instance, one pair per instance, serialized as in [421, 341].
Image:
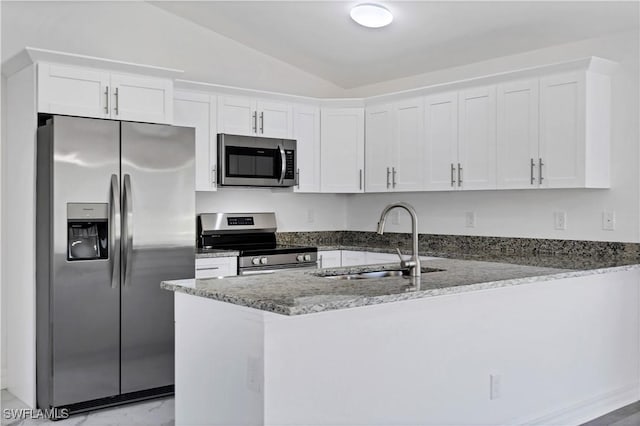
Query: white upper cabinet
[441, 141]
[88, 92]
[477, 138]
[199, 111]
[240, 115]
[575, 130]
[378, 148]
[306, 131]
[342, 150]
[395, 146]
[517, 133]
[407, 173]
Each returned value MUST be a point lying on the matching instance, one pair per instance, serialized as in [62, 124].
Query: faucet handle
[399, 254]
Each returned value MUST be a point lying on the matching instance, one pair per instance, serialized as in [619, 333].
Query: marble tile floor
[160, 412]
[156, 412]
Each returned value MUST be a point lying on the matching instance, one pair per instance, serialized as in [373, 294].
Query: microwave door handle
[283, 162]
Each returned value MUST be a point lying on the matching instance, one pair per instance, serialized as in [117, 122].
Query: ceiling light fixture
[371, 15]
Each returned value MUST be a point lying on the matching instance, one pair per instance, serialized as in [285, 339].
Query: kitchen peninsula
[511, 343]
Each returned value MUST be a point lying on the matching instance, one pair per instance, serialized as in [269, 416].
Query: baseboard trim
[588, 409]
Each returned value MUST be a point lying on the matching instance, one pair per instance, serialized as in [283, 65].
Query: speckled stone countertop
[207, 253]
[304, 292]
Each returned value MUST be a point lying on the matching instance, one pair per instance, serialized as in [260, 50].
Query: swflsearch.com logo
[30, 413]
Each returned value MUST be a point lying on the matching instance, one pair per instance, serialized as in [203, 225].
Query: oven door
[279, 268]
[253, 161]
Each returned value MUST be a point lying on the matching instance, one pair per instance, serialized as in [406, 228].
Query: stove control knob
[300, 258]
[263, 260]
[255, 260]
[307, 257]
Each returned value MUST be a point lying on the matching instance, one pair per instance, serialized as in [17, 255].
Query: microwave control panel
[290, 164]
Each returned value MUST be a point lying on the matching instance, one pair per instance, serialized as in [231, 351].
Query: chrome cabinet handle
[255, 121]
[117, 107]
[453, 175]
[393, 177]
[106, 98]
[533, 165]
[297, 182]
[213, 175]
[459, 175]
[320, 261]
[283, 159]
[127, 200]
[540, 164]
[360, 187]
[114, 228]
[388, 181]
[262, 122]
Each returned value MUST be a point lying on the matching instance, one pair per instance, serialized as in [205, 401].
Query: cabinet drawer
[216, 267]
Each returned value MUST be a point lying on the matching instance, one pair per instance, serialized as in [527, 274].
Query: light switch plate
[560, 221]
[470, 219]
[608, 220]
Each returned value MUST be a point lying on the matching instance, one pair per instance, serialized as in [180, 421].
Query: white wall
[294, 212]
[139, 32]
[529, 213]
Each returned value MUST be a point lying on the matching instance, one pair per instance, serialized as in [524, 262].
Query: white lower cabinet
[199, 111]
[213, 267]
[353, 258]
[330, 259]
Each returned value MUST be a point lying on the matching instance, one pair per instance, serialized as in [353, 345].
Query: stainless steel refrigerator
[115, 216]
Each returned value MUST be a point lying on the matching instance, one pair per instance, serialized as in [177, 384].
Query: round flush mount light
[371, 15]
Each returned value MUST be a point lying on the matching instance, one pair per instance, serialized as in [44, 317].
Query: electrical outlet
[470, 219]
[608, 220]
[311, 216]
[495, 386]
[395, 217]
[560, 221]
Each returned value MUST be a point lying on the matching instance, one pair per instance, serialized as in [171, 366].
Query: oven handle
[283, 160]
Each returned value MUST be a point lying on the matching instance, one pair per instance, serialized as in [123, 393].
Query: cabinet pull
[393, 177]
[297, 182]
[388, 181]
[213, 175]
[106, 98]
[262, 122]
[459, 175]
[533, 165]
[360, 179]
[540, 164]
[117, 106]
[320, 261]
[213, 268]
[453, 175]
[255, 121]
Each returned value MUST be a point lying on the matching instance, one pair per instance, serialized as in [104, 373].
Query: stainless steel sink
[365, 275]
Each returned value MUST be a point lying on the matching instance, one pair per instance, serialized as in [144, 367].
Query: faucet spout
[414, 263]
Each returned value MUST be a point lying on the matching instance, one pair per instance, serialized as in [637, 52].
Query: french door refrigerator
[115, 216]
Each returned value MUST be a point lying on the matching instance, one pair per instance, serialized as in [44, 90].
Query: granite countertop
[208, 253]
[303, 292]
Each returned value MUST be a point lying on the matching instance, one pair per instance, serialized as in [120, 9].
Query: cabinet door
[441, 141]
[216, 267]
[237, 115]
[306, 131]
[378, 148]
[274, 120]
[477, 138]
[374, 258]
[199, 111]
[408, 169]
[342, 150]
[517, 134]
[354, 258]
[138, 98]
[562, 130]
[72, 90]
[329, 259]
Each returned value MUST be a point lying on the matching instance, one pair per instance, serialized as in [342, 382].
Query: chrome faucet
[414, 263]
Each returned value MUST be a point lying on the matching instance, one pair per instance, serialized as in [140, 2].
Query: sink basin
[373, 274]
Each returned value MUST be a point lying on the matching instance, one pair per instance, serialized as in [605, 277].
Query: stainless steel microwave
[255, 161]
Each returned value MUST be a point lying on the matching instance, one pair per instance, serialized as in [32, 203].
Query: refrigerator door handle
[114, 227]
[127, 230]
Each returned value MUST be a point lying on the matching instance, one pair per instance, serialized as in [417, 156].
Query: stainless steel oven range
[254, 236]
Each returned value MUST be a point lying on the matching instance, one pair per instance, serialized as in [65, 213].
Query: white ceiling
[320, 38]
